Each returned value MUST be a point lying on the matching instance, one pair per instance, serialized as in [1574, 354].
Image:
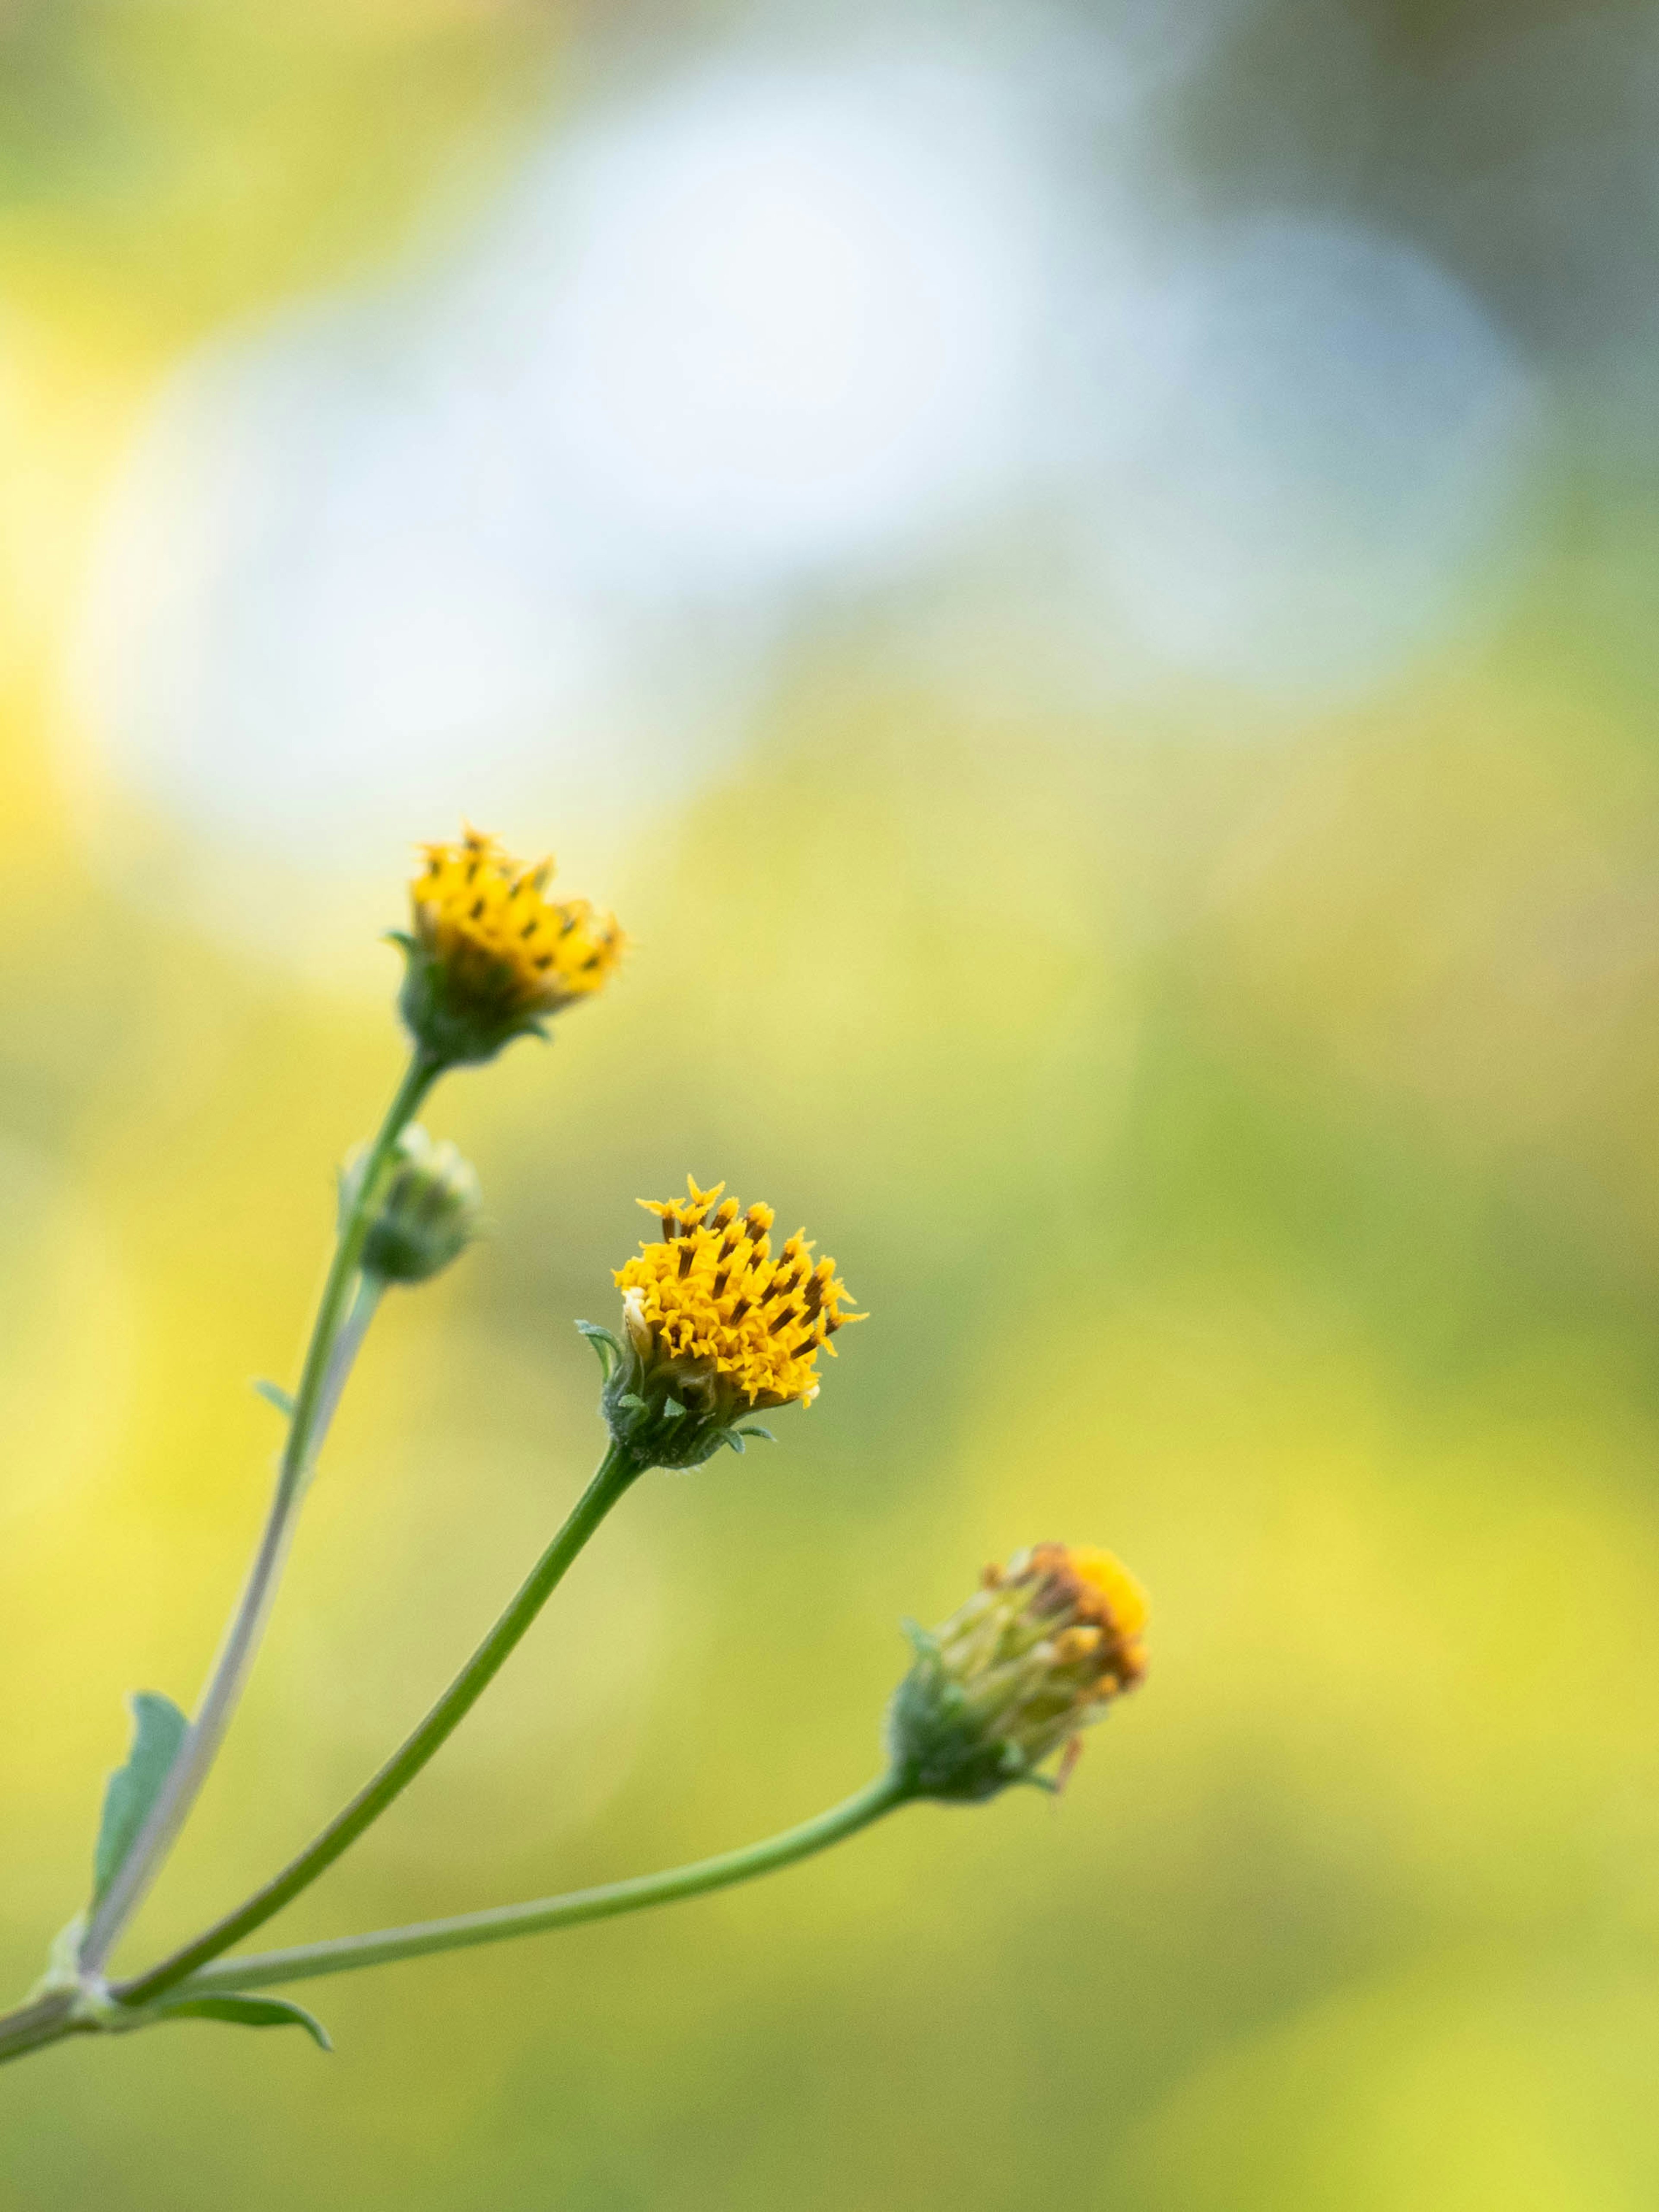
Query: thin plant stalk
[616, 1473]
[307, 1961]
[33, 2026]
[336, 1335]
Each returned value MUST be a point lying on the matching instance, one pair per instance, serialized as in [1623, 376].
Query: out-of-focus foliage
[1240, 1126]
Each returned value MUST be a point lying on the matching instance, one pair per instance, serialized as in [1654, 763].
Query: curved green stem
[307, 1960]
[617, 1471]
[335, 1335]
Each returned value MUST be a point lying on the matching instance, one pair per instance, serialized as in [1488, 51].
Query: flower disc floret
[1039, 1652]
[490, 957]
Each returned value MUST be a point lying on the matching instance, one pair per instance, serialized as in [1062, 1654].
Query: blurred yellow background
[1084, 581]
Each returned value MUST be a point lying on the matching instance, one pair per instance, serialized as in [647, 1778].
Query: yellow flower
[490, 955]
[717, 1327]
[710, 1296]
[1036, 1654]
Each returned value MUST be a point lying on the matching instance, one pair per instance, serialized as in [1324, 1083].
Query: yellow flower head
[710, 1300]
[490, 955]
[1036, 1654]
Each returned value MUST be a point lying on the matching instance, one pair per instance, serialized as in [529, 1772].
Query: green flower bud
[1032, 1658]
[428, 1210]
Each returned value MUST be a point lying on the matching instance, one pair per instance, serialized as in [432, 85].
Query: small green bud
[428, 1213]
[1035, 1655]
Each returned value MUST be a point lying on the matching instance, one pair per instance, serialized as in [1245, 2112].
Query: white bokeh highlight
[524, 537]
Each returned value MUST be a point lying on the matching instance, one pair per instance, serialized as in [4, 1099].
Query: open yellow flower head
[1039, 1652]
[490, 957]
[718, 1326]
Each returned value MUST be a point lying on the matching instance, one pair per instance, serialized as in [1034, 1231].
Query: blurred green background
[1084, 580]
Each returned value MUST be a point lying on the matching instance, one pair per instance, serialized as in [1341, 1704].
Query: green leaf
[275, 1396]
[158, 1731]
[246, 2012]
[606, 1349]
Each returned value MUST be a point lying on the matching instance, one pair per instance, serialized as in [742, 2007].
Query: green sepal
[922, 1640]
[606, 1350]
[672, 1408]
[756, 1430]
[244, 2012]
[159, 1729]
[633, 1401]
[274, 1394]
[730, 1437]
[453, 1026]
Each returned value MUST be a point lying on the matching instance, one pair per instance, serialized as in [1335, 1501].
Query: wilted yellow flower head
[1036, 1654]
[717, 1326]
[490, 955]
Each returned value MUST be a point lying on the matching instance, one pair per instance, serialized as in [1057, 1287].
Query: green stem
[33, 2027]
[307, 1960]
[617, 1471]
[335, 1335]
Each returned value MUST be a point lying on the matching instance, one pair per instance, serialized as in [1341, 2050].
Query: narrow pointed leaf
[755, 1430]
[158, 1730]
[274, 1394]
[247, 2012]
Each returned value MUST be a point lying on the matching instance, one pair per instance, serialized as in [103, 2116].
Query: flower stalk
[616, 1474]
[464, 1930]
[335, 1333]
